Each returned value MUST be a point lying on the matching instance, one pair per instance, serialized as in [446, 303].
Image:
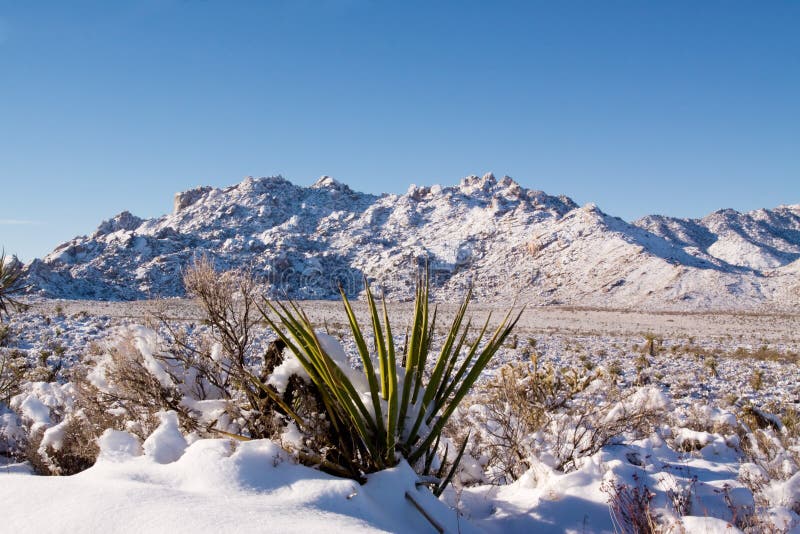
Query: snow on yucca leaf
[401, 414]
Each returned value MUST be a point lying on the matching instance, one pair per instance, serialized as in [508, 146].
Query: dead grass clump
[765, 353]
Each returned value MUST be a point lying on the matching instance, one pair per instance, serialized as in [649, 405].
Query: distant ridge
[304, 242]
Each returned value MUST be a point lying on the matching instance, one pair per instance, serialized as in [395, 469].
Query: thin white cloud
[17, 222]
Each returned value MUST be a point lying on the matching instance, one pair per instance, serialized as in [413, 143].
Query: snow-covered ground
[216, 485]
[690, 473]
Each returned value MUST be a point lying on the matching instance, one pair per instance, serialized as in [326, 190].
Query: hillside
[520, 243]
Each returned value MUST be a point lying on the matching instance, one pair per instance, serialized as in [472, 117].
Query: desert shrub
[513, 406]
[227, 360]
[12, 371]
[614, 369]
[10, 284]
[631, 507]
[651, 345]
[642, 362]
[120, 389]
[398, 411]
[5, 335]
[769, 443]
[44, 427]
[561, 415]
[757, 379]
[214, 377]
[64, 449]
[791, 422]
[765, 353]
[137, 377]
[710, 363]
[228, 300]
[42, 370]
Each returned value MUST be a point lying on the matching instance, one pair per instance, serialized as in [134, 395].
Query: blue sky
[642, 107]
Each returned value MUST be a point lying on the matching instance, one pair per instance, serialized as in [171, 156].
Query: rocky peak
[187, 198]
[328, 182]
[123, 221]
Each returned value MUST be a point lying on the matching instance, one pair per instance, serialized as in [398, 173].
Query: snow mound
[218, 487]
[166, 444]
[117, 445]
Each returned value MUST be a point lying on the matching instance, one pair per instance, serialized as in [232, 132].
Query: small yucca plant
[10, 283]
[404, 412]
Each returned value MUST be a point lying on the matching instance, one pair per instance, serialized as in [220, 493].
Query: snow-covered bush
[65, 448]
[44, 427]
[557, 416]
[768, 442]
[214, 379]
[766, 445]
[125, 386]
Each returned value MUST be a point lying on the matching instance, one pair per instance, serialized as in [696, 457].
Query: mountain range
[509, 242]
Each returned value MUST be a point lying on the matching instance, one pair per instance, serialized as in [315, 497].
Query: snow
[146, 342]
[54, 437]
[35, 410]
[118, 445]
[187, 484]
[292, 438]
[218, 487]
[708, 525]
[279, 378]
[166, 444]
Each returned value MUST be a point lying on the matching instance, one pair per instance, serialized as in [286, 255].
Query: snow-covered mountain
[513, 242]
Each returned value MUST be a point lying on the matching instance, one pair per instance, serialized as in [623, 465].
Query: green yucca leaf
[448, 373]
[369, 369]
[441, 487]
[424, 351]
[461, 391]
[324, 372]
[391, 424]
[413, 348]
[421, 415]
[380, 343]
[467, 361]
[445, 355]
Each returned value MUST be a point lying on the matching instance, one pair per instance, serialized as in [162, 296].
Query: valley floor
[702, 369]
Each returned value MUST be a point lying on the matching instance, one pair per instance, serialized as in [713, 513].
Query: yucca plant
[405, 409]
[10, 283]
